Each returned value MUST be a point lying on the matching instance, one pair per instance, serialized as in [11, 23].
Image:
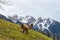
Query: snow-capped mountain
[42, 23]
[55, 28]
[14, 18]
[19, 20]
[30, 19]
[48, 25]
[35, 26]
[5, 18]
[22, 20]
[2, 17]
[39, 20]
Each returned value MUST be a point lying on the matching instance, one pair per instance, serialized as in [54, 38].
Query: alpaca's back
[25, 26]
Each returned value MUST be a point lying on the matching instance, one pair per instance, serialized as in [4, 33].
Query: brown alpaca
[25, 27]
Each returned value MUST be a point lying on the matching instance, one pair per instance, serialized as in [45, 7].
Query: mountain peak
[28, 16]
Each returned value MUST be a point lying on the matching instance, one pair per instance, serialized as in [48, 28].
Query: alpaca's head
[31, 25]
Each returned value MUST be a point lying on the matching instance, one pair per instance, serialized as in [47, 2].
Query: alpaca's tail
[21, 25]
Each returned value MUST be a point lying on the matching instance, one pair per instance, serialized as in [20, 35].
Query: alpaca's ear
[32, 25]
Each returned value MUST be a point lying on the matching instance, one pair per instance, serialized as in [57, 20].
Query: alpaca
[25, 27]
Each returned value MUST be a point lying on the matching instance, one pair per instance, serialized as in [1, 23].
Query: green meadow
[12, 31]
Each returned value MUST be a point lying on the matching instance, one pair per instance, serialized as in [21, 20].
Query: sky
[35, 8]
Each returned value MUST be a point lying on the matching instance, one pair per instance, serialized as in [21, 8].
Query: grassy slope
[11, 31]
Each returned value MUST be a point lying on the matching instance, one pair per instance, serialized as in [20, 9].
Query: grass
[11, 31]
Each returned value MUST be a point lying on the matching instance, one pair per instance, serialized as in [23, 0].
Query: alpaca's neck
[30, 26]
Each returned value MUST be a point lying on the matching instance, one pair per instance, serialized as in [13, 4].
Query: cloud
[36, 8]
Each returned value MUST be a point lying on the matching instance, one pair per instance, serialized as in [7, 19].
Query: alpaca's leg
[26, 30]
[23, 30]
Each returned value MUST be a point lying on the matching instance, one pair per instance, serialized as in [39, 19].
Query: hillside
[11, 31]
